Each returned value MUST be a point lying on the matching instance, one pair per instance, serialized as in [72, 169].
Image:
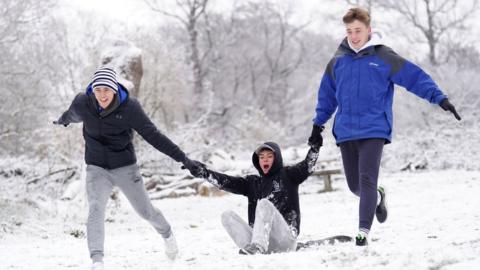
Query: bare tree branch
[367, 4]
[35, 180]
[153, 6]
[441, 18]
[193, 10]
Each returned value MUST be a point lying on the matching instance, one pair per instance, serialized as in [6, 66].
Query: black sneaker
[251, 249]
[361, 240]
[381, 212]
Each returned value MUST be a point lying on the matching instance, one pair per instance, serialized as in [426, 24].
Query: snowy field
[434, 223]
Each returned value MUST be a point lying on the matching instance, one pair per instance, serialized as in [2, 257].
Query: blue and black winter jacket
[360, 87]
[108, 132]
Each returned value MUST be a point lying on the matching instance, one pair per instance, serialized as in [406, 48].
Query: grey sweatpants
[100, 182]
[270, 229]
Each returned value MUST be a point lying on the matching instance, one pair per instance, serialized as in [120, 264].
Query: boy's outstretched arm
[71, 115]
[233, 184]
[300, 171]
[415, 80]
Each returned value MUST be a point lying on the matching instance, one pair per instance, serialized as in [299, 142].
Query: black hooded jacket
[279, 185]
[108, 134]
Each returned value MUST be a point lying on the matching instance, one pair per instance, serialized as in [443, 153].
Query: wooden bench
[327, 177]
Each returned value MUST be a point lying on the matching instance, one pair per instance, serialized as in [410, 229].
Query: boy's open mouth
[266, 166]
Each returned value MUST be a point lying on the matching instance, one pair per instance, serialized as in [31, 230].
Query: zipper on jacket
[358, 94]
[103, 146]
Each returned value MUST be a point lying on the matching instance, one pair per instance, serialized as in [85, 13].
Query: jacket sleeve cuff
[439, 98]
[318, 121]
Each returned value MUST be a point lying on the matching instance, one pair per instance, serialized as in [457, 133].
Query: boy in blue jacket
[358, 83]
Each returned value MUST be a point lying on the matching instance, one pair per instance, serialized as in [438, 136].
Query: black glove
[447, 106]
[196, 168]
[316, 139]
[58, 123]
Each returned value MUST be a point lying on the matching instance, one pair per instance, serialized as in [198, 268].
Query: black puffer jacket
[279, 185]
[108, 134]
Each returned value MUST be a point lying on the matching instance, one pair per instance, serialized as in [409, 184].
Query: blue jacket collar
[123, 93]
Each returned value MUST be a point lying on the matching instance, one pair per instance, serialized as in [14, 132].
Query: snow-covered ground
[434, 223]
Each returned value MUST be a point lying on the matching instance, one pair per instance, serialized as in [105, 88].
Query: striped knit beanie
[105, 76]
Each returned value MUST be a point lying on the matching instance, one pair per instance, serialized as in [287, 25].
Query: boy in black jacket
[109, 116]
[273, 203]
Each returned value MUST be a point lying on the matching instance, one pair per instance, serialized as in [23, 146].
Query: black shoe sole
[381, 212]
[361, 243]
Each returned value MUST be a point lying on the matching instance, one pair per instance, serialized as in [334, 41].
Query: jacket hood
[122, 92]
[120, 97]
[376, 38]
[277, 162]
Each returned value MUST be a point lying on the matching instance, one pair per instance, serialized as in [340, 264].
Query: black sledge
[325, 241]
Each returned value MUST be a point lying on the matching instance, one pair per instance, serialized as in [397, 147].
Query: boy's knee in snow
[227, 217]
[264, 203]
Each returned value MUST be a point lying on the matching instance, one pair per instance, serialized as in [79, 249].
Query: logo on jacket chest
[277, 186]
[118, 116]
[276, 189]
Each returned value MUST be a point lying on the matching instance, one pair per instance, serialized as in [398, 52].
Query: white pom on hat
[105, 76]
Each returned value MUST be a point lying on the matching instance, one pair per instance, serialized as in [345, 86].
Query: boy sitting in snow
[273, 203]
